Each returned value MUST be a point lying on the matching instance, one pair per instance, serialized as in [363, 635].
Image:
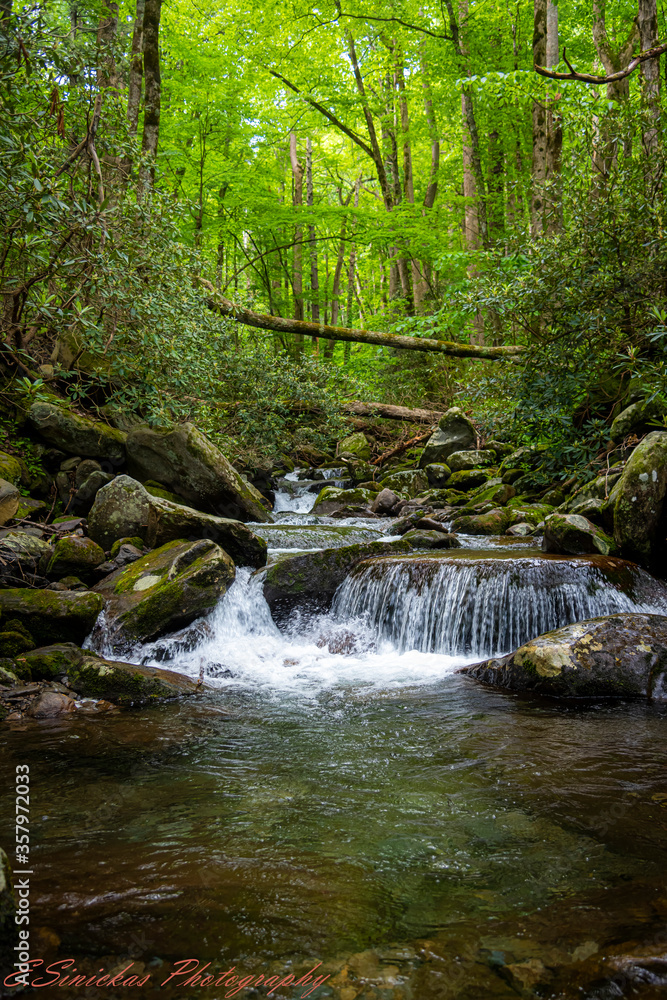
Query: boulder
[597, 511]
[163, 591]
[384, 502]
[12, 469]
[495, 492]
[85, 495]
[309, 580]
[459, 460]
[437, 474]
[158, 490]
[126, 684]
[359, 471]
[412, 482]
[572, 534]
[83, 469]
[187, 463]
[640, 514]
[356, 445]
[74, 556]
[423, 538]
[9, 501]
[332, 500]
[76, 434]
[455, 433]
[638, 418]
[623, 655]
[124, 509]
[501, 449]
[521, 529]
[492, 523]
[49, 663]
[52, 615]
[468, 479]
[51, 704]
[20, 557]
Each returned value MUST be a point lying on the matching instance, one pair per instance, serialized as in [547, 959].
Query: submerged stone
[623, 655]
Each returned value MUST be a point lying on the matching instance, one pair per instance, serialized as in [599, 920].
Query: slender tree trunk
[314, 275]
[136, 69]
[554, 208]
[297, 255]
[496, 185]
[107, 74]
[151, 135]
[647, 22]
[613, 60]
[539, 165]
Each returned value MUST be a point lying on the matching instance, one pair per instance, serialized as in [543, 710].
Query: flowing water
[340, 794]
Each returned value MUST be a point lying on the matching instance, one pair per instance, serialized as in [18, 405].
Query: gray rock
[572, 534]
[163, 591]
[126, 684]
[52, 616]
[422, 538]
[640, 514]
[120, 510]
[455, 433]
[638, 418]
[9, 501]
[84, 469]
[459, 460]
[355, 445]
[75, 434]
[20, 555]
[437, 474]
[188, 464]
[384, 502]
[410, 482]
[521, 529]
[92, 484]
[622, 655]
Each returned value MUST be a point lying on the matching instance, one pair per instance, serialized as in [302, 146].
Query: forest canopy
[397, 167]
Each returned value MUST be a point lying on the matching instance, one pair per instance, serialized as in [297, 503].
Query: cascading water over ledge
[485, 606]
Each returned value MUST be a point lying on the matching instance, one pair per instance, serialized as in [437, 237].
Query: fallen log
[401, 447]
[390, 412]
[281, 324]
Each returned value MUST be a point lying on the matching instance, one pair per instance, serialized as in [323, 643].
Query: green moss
[133, 540]
[156, 563]
[50, 662]
[11, 468]
[158, 490]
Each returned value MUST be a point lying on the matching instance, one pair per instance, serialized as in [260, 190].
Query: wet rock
[468, 479]
[640, 515]
[357, 445]
[76, 434]
[20, 555]
[411, 482]
[437, 474]
[75, 556]
[493, 523]
[50, 704]
[496, 493]
[572, 534]
[164, 591]
[168, 521]
[384, 502]
[126, 684]
[187, 463]
[622, 655]
[60, 616]
[332, 500]
[595, 511]
[48, 663]
[9, 501]
[460, 460]
[638, 418]
[521, 530]
[455, 433]
[422, 538]
[407, 522]
[309, 580]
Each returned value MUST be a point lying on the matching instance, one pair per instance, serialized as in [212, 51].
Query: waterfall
[484, 607]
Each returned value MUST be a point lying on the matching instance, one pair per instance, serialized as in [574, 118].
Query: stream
[341, 795]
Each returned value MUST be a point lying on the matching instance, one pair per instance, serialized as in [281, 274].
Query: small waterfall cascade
[488, 606]
[296, 495]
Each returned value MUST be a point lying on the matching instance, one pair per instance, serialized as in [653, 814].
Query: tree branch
[653, 53]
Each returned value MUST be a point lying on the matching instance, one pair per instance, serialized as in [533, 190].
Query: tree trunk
[496, 186]
[647, 22]
[107, 74]
[358, 408]
[376, 339]
[136, 69]
[554, 208]
[151, 47]
[314, 276]
[539, 165]
[297, 256]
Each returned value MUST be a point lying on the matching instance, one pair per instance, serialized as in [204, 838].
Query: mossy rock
[497, 494]
[412, 482]
[48, 663]
[60, 615]
[420, 538]
[437, 474]
[165, 590]
[132, 540]
[468, 479]
[10, 673]
[14, 638]
[30, 508]
[572, 534]
[158, 490]
[494, 522]
[623, 655]
[460, 460]
[356, 445]
[332, 499]
[127, 684]
[455, 432]
[12, 469]
[76, 434]
[74, 555]
[640, 511]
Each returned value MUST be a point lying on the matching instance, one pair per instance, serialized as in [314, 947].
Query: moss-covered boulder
[572, 534]
[168, 521]
[638, 418]
[120, 510]
[9, 929]
[10, 674]
[640, 512]
[359, 471]
[437, 474]
[78, 435]
[188, 464]
[356, 445]
[332, 500]
[455, 433]
[423, 538]
[12, 469]
[473, 459]
[494, 522]
[309, 580]
[622, 655]
[75, 555]
[15, 638]
[48, 663]
[52, 615]
[411, 482]
[468, 479]
[126, 684]
[20, 556]
[158, 490]
[164, 591]
[495, 492]
[9, 501]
